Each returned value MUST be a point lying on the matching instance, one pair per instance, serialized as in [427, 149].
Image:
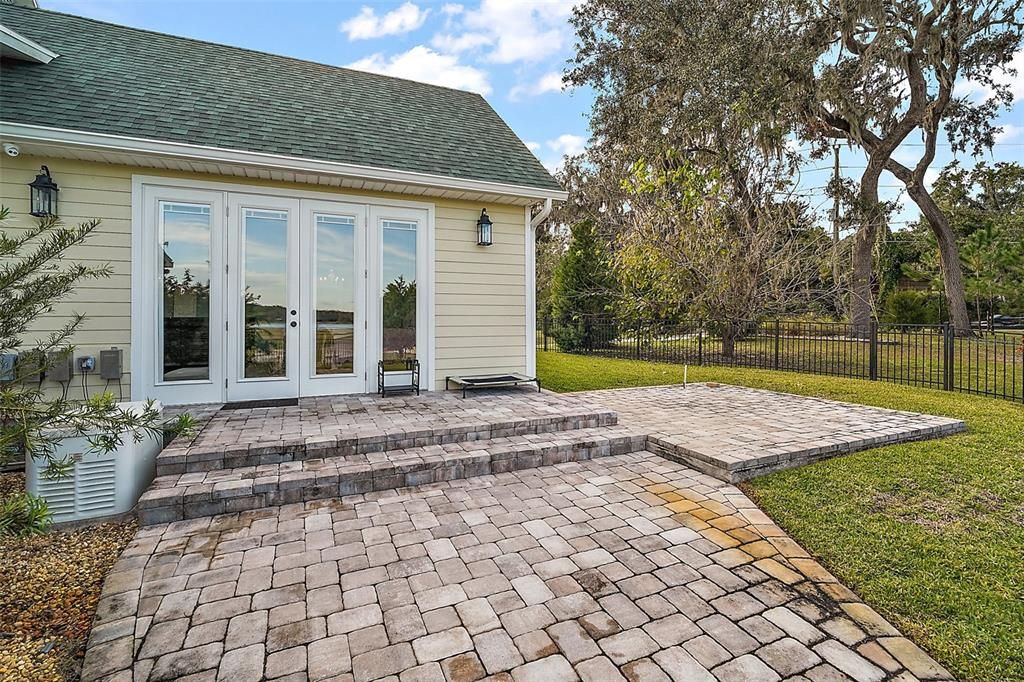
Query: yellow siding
[480, 297]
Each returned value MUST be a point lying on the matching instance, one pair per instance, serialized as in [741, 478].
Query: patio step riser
[174, 460]
[161, 505]
[743, 469]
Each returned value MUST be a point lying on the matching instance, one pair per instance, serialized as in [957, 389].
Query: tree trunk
[861, 295]
[949, 259]
[729, 332]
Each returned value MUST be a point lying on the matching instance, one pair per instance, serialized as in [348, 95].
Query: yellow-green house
[276, 227]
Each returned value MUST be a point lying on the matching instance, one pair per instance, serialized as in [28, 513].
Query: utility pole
[835, 216]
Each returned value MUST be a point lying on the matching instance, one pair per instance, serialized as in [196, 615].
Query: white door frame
[310, 382]
[146, 292]
[147, 297]
[260, 388]
[374, 337]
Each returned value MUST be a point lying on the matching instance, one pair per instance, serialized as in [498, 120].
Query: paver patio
[628, 566]
[515, 535]
[736, 433]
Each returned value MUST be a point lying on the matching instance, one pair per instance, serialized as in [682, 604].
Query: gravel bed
[49, 588]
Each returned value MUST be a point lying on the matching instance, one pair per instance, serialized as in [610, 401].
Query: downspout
[531, 284]
[536, 221]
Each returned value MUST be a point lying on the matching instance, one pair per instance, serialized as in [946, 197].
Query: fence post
[873, 353]
[776, 365]
[947, 356]
[636, 341]
[545, 322]
[700, 345]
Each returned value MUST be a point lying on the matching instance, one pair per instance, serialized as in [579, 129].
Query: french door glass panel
[398, 296]
[334, 293]
[265, 288]
[185, 252]
[263, 297]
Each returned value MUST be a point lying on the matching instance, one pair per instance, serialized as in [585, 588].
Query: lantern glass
[43, 195]
[484, 232]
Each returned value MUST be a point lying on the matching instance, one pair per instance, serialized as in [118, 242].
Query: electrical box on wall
[7, 361]
[110, 364]
[86, 364]
[60, 369]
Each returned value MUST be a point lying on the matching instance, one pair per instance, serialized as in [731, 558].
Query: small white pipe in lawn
[685, 368]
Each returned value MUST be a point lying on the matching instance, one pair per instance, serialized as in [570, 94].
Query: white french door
[269, 296]
[332, 315]
[298, 287]
[263, 296]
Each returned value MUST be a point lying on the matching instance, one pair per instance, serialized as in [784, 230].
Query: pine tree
[35, 274]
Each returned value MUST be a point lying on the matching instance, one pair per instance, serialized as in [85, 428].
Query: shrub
[911, 307]
[22, 515]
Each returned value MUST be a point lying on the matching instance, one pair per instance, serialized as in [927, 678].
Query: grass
[931, 534]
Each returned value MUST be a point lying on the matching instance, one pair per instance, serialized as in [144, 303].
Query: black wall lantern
[43, 194]
[483, 230]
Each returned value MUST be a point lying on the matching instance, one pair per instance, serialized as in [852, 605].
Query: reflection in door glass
[398, 302]
[265, 281]
[334, 294]
[185, 241]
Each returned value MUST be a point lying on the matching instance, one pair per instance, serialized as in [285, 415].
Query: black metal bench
[489, 381]
[412, 371]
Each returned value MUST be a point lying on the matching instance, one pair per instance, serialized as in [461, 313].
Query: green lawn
[931, 534]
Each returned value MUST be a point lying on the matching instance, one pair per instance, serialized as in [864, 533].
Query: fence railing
[989, 363]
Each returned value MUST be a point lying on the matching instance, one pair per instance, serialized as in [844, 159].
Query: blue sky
[511, 51]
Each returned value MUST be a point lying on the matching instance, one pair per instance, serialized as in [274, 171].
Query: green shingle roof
[125, 81]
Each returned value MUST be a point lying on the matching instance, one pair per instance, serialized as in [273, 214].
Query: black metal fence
[989, 363]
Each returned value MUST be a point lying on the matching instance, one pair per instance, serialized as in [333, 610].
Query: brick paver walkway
[736, 433]
[629, 566]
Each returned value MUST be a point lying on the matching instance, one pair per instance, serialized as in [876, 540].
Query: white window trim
[142, 338]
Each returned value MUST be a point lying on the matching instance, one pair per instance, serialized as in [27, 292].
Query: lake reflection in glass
[265, 281]
[334, 294]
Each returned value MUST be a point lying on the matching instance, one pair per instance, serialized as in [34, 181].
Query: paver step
[174, 497]
[744, 463]
[189, 458]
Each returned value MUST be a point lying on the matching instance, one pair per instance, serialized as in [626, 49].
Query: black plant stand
[412, 371]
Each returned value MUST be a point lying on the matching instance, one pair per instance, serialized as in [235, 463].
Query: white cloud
[514, 30]
[452, 8]
[1014, 81]
[367, 24]
[532, 146]
[446, 42]
[562, 146]
[549, 82]
[425, 65]
[1009, 132]
[568, 145]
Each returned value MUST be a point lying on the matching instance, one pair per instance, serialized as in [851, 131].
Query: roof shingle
[124, 81]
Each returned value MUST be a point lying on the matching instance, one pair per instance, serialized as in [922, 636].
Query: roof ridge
[370, 74]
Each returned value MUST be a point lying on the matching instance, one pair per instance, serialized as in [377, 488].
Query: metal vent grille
[96, 487]
[89, 490]
[60, 496]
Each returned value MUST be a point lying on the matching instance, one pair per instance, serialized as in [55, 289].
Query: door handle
[294, 323]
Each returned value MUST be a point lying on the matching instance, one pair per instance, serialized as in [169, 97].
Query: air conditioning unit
[99, 485]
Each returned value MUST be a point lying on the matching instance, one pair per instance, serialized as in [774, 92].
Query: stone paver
[579, 571]
[736, 433]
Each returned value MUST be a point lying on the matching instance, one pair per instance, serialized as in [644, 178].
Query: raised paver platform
[625, 567]
[360, 424]
[737, 433]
